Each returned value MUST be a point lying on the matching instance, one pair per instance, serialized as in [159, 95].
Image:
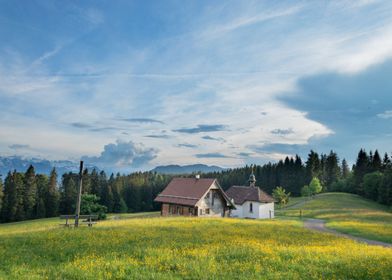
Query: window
[201, 212]
[207, 211]
[251, 207]
[208, 195]
[190, 210]
[213, 198]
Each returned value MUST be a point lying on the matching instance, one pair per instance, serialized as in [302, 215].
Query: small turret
[252, 179]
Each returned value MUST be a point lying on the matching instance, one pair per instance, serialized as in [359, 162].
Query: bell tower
[252, 179]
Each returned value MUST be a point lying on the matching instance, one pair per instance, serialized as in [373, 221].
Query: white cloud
[385, 115]
[123, 155]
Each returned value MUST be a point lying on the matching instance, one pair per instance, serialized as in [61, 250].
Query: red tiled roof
[185, 191]
[240, 194]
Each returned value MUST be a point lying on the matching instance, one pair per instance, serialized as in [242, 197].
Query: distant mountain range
[186, 169]
[42, 166]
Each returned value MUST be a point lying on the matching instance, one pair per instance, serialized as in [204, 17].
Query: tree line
[29, 195]
[370, 176]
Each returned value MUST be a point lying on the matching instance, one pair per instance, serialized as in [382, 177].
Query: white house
[250, 201]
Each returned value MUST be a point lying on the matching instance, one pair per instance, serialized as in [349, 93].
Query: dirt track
[319, 225]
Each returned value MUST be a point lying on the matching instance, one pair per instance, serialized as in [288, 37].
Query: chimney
[197, 176]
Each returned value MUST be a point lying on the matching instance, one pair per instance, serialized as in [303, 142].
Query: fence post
[300, 214]
[79, 198]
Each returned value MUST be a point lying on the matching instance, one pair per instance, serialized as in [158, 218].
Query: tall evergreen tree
[313, 168]
[95, 187]
[8, 210]
[42, 191]
[385, 188]
[52, 199]
[345, 169]
[332, 169]
[386, 162]
[30, 193]
[20, 191]
[371, 184]
[86, 182]
[106, 193]
[360, 169]
[119, 205]
[376, 163]
[69, 193]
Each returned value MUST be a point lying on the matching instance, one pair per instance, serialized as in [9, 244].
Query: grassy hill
[347, 213]
[184, 248]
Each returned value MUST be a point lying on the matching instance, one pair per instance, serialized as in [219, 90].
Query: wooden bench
[86, 219]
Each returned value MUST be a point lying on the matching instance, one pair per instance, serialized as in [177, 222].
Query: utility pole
[77, 214]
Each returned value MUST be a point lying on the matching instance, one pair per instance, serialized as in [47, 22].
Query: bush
[281, 196]
[90, 206]
[315, 186]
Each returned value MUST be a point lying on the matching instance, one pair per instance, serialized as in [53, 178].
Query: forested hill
[30, 195]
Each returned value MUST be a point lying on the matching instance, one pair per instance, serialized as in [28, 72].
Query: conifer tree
[119, 205]
[86, 182]
[95, 187]
[376, 164]
[107, 194]
[20, 192]
[386, 162]
[69, 193]
[345, 169]
[30, 193]
[52, 199]
[332, 169]
[8, 210]
[371, 184]
[312, 166]
[360, 169]
[42, 191]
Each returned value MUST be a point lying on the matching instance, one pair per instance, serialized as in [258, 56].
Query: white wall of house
[260, 210]
[266, 209]
[215, 204]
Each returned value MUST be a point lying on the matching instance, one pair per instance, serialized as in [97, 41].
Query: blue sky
[133, 84]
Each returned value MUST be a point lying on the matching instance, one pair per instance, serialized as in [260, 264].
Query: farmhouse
[194, 197]
[250, 201]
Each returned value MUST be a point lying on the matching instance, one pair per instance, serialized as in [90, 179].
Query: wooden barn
[194, 197]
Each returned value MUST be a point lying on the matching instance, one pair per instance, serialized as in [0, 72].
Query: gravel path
[319, 225]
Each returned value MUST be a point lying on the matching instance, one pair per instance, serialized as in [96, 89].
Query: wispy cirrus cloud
[248, 20]
[185, 145]
[211, 155]
[202, 128]
[161, 136]
[385, 115]
[142, 120]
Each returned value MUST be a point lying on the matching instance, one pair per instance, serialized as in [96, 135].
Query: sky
[130, 85]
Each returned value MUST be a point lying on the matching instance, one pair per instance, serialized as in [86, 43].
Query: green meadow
[347, 213]
[144, 246]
